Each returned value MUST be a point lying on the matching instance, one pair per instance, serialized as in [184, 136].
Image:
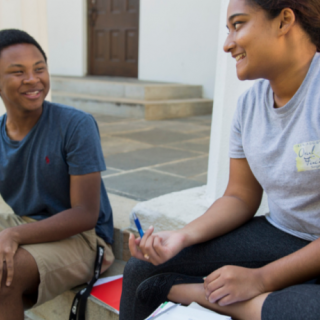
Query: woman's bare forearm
[225, 215]
[188, 293]
[298, 267]
[239, 204]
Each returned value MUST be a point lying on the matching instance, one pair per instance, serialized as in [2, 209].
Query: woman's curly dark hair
[307, 14]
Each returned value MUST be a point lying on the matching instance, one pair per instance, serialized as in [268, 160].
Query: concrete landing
[135, 99]
[148, 159]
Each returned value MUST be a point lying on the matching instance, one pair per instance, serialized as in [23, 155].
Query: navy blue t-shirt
[35, 172]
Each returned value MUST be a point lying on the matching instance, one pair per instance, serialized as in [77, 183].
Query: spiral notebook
[108, 290]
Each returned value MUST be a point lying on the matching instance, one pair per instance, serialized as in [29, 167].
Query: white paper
[194, 305]
[185, 313]
[156, 314]
[107, 279]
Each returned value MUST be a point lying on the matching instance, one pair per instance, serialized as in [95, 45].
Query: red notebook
[108, 290]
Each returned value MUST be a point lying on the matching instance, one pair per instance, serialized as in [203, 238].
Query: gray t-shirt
[282, 147]
[35, 172]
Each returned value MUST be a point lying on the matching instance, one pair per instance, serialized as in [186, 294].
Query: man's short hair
[10, 37]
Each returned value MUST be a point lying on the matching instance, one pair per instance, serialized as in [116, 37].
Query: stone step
[125, 88]
[135, 108]
[59, 308]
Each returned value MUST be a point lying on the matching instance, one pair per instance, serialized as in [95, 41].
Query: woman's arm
[238, 205]
[231, 284]
[298, 267]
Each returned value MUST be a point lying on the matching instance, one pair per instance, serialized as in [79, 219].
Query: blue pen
[138, 225]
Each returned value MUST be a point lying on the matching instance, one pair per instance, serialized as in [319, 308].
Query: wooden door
[113, 37]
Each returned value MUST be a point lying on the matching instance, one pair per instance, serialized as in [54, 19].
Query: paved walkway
[146, 159]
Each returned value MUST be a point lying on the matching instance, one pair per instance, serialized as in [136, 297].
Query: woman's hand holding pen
[157, 248]
[231, 284]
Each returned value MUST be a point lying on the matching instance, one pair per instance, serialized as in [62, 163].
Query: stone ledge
[175, 210]
[120, 247]
[59, 308]
[171, 211]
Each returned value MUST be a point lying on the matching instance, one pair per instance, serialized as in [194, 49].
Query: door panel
[132, 5]
[113, 37]
[131, 46]
[115, 46]
[100, 40]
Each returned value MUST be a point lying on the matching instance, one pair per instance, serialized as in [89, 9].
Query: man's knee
[8, 291]
[25, 276]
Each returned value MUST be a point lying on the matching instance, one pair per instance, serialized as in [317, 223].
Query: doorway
[113, 37]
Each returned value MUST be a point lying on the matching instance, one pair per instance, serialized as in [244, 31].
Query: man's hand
[157, 248]
[232, 284]
[8, 248]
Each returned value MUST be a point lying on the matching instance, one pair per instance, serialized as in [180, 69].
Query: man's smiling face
[24, 78]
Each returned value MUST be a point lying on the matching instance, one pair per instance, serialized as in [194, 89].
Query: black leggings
[253, 245]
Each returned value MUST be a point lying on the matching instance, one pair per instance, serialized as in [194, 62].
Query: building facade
[165, 40]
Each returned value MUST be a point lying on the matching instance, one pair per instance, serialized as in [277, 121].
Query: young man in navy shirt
[50, 164]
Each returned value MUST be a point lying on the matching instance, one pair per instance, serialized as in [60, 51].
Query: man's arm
[83, 215]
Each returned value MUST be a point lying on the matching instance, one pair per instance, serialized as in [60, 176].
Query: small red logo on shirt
[47, 160]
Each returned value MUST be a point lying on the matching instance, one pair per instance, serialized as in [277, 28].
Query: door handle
[93, 15]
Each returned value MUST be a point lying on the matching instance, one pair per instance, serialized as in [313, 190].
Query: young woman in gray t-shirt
[255, 268]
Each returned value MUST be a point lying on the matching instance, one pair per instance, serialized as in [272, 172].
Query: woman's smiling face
[252, 40]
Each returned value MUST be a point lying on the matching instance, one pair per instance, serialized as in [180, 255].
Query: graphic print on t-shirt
[308, 155]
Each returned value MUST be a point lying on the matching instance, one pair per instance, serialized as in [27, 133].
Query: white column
[27, 15]
[186, 44]
[173, 211]
[228, 89]
[67, 29]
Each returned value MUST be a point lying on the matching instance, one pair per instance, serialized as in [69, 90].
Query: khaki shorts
[63, 264]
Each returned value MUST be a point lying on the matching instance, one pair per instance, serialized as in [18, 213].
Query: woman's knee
[136, 269]
[294, 303]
